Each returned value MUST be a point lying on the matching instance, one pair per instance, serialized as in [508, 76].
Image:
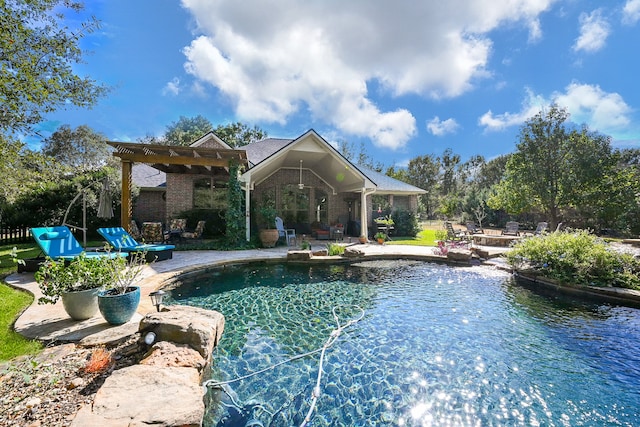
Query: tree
[553, 168]
[37, 55]
[186, 130]
[423, 171]
[239, 134]
[82, 149]
[23, 170]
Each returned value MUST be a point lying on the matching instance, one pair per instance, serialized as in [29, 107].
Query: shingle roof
[258, 151]
[385, 183]
[145, 176]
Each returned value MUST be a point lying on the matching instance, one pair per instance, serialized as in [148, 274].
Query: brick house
[307, 180]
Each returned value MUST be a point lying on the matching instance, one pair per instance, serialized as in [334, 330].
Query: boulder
[459, 254]
[199, 328]
[141, 395]
[353, 252]
[167, 354]
[298, 255]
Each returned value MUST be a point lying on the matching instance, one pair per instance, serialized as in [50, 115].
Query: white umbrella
[105, 208]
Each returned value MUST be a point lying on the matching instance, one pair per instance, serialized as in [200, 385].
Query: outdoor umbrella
[105, 210]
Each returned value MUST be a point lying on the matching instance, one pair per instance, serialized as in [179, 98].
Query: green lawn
[11, 343]
[426, 237]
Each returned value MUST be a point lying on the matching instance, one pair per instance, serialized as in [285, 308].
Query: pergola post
[125, 206]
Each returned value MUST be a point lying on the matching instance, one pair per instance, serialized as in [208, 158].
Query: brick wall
[150, 206]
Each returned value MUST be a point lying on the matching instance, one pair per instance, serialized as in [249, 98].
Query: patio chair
[58, 243]
[511, 229]
[451, 233]
[177, 226]
[195, 234]
[152, 232]
[472, 228]
[134, 231]
[541, 228]
[119, 239]
[288, 233]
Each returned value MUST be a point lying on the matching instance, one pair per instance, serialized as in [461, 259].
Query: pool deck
[50, 323]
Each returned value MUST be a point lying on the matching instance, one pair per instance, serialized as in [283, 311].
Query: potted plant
[77, 282]
[380, 237]
[362, 239]
[119, 300]
[268, 233]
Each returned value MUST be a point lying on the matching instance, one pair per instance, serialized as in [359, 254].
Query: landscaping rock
[199, 328]
[459, 254]
[143, 395]
[167, 354]
[299, 255]
[354, 251]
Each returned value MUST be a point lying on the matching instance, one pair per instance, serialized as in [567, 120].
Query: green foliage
[441, 235]
[235, 217]
[268, 217]
[81, 149]
[239, 134]
[186, 131]
[334, 249]
[380, 235]
[46, 204]
[556, 168]
[576, 257]
[13, 344]
[56, 277]
[39, 51]
[406, 223]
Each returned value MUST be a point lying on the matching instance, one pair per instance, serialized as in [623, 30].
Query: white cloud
[442, 127]
[530, 107]
[594, 30]
[172, 87]
[321, 56]
[604, 112]
[631, 12]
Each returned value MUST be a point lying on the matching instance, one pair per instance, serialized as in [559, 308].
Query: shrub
[576, 257]
[335, 249]
[406, 223]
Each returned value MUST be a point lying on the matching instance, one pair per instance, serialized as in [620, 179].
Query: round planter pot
[269, 237]
[119, 308]
[81, 305]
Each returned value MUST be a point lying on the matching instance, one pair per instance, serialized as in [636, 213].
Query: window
[209, 194]
[295, 204]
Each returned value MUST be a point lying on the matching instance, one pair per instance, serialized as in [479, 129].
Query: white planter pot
[81, 305]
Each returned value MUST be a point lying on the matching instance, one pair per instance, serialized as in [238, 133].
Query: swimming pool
[437, 346]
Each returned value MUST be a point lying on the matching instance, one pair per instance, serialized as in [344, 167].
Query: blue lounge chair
[59, 243]
[120, 240]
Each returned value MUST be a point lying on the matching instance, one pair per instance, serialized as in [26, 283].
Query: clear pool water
[438, 346]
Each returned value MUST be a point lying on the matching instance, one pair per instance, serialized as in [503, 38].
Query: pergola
[171, 159]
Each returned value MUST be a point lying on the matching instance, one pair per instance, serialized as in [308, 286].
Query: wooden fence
[10, 235]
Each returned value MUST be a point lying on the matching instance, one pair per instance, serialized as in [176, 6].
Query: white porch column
[364, 231]
[247, 208]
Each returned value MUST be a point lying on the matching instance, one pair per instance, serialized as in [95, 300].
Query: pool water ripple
[437, 346]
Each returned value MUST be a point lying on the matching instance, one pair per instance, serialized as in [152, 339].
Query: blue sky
[403, 78]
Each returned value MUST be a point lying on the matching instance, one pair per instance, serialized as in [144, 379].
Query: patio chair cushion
[121, 240]
[59, 243]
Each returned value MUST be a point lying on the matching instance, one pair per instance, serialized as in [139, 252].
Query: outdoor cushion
[59, 243]
[120, 239]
